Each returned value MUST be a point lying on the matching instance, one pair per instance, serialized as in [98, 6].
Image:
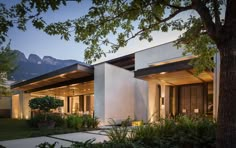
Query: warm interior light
[162, 73]
[162, 101]
[196, 110]
[162, 106]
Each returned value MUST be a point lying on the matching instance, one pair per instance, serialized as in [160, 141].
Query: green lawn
[14, 129]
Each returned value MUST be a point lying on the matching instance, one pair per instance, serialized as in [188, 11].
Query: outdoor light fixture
[196, 110]
[162, 73]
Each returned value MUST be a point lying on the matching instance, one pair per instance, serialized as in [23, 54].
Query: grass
[14, 129]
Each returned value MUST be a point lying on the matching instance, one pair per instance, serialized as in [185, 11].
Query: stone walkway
[63, 139]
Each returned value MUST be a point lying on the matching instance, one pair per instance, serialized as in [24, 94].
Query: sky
[34, 41]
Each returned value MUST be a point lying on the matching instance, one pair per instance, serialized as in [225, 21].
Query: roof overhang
[76, 73]
[171, 67]
[178, 73]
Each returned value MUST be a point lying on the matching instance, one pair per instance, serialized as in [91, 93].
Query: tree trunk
[226, 130]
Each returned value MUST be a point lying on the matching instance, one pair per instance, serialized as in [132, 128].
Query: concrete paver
[82, 137]
[99, 132]
[63, 139]
[32, 142]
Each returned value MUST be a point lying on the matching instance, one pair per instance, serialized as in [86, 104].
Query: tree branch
[217, 14]
[181, 9]
[205, 15]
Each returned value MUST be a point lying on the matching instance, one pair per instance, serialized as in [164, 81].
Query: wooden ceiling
[181, 77]
[70, 90]
[76, 73]
[53, 80]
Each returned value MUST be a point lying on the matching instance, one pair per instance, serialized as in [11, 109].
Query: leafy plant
[58, 119]
[182, 132]
[74, 121]
[47, 145]
[45, 103]
[86, 121]
[118, 134]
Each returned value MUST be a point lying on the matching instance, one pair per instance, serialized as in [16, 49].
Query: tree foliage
[45, 103]
[126, 20]
[211, 29]
[7, 64]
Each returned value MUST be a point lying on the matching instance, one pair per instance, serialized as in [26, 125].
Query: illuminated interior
[78, 98]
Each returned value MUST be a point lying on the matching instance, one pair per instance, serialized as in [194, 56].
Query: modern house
[145, 85]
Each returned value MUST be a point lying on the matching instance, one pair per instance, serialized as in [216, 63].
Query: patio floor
[63, 139]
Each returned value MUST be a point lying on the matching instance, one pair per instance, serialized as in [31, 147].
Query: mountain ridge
[33, 66]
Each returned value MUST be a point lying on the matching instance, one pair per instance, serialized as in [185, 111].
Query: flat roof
[170, 67]
[177, 73]
[76, 71]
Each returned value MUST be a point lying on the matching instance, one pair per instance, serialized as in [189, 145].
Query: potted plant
[45, 105]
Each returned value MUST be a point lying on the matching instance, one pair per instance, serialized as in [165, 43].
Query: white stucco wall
[15, 106]
[153, 99]
[119, 93]
[99, 92]
[141, 100]
[162, 53]
[116, 91]
[216, 85]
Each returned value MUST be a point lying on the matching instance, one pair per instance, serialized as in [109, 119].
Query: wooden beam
[190, 72]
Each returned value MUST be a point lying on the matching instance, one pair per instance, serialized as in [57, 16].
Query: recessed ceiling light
[162, 73]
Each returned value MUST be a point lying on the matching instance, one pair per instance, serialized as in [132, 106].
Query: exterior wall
[26, 111]
[20, 106]
[141, 100]
[216, 86]
[99, 91]
[119, 93]
[163, 53]
[153, 101]
[115, 91]
[156, 109]
[16, 106]
[5, 107]
[5, 102]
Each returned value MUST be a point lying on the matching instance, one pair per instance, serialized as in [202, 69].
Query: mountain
[34, 66]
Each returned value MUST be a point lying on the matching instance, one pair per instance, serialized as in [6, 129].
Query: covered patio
[174, 89]
[73, 84]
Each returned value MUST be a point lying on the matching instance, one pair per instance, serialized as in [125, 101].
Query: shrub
[58, 119]
[74, 121]
[89, 144]
[90, 122]
[45, 103]
[86, 121]
[184, 132]
[118, 134]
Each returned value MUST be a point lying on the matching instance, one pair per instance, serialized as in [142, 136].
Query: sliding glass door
[82, 104]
